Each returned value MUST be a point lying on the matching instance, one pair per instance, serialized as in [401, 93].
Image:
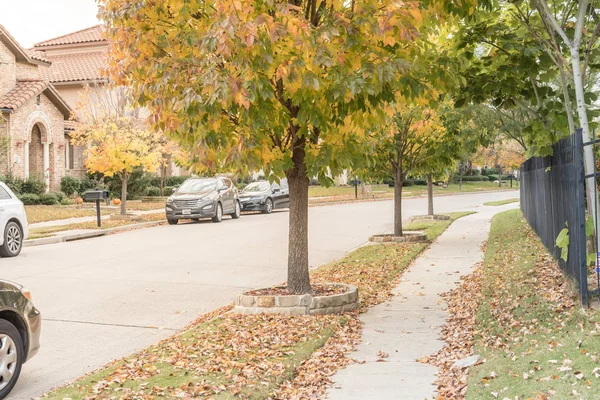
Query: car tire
[268, 207]
[172, 221]
[219, 214]
[238, 210]
[12, 356]
[13, 240]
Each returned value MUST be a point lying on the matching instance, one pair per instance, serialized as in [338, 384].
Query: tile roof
[22, 92]
[22, 55]
[75, 67]
[25, 90]
[93, 34]
[71, 125]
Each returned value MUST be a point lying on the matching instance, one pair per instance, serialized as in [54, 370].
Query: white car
[13, 223]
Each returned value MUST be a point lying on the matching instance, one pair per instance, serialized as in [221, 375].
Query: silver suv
[203, 198]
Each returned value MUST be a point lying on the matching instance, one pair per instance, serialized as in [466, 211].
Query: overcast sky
[32, 21]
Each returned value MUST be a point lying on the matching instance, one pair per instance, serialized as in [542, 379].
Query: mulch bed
[318, 290]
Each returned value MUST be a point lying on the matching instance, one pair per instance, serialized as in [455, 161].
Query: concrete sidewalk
[408, 326]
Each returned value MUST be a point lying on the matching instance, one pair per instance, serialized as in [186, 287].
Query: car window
[4, 194]
[197, 185]
[276, 186]
[256, 187]
[284, 184]
[226, 183]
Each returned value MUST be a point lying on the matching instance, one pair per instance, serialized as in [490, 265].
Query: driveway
[107, 297]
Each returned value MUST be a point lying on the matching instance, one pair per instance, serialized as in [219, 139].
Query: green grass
[37, 233]
[529, 324]
[408, 191]
[501, 202]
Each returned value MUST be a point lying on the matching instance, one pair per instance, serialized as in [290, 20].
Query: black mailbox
[92, 195]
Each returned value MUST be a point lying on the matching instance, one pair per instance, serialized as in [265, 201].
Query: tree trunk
[588, 156]
[124, 193]
[429, 195]
[398, 182]
[163, 173]
[298, 278]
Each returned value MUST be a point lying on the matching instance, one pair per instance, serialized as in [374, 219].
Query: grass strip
[225, 356]
[37, 233]
[501, 202]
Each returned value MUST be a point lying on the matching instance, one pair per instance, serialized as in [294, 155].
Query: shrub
[34, 186]
[492, 178]
[14, 183]
[48, 199]
[420, 182]
[29, 199]
[153, 191]
[408, 182]
[59, 196]
[70, 185]
[175, 180]
[168, 190]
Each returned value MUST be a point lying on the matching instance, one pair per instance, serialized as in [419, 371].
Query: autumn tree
[115, 138]
[407, 143]
[285, 86]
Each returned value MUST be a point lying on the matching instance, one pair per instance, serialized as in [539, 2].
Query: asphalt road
[107, 297]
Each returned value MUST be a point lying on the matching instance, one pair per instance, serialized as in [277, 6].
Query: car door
[284, 200]
[276, 195]
[5, 209]
[228, 196]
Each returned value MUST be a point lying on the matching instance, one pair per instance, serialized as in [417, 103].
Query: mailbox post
[97, 196]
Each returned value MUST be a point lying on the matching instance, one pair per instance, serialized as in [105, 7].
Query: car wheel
[219, 215]
[238, 210]
[268, 208]
[13, 240]
[12, 355]
[172, 221]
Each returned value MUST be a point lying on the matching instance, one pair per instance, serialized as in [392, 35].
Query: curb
[88, 235]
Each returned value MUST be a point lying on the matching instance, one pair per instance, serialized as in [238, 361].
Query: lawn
[37, 233]
[225, 356]
[501, 202]
[535, 339]
[319, 194]
[50, 213]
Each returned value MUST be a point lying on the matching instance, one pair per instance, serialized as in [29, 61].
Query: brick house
[34, 117]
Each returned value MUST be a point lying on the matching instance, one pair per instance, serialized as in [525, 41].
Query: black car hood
[255, 194]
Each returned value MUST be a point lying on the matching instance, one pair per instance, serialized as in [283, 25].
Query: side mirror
[276, 190]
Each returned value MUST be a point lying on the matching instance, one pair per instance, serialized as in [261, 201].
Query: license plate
[186, 212]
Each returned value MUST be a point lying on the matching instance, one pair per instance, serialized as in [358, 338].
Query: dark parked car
[264, 196]
[20, 327]
[203, 198]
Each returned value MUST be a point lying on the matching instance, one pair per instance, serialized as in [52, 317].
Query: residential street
[105, 298]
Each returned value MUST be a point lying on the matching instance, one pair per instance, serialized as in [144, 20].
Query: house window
[69, 150]
[38, 100]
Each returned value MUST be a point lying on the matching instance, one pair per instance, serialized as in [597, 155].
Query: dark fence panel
[552, 197]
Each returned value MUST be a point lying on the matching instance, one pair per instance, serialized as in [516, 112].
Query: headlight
[207, 207]
[27, 294]
[170, 200]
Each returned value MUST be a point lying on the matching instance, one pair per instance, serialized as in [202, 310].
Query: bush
[456, 179]
[407, 182]
[153, 191]
[175, 180]
[168, 190]
[14, 183]
[29, 199]
[492, 178]
[70, 185]
[476, 172]
[48, 199]
[34, 186]
[420, 182]
[59, 196]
